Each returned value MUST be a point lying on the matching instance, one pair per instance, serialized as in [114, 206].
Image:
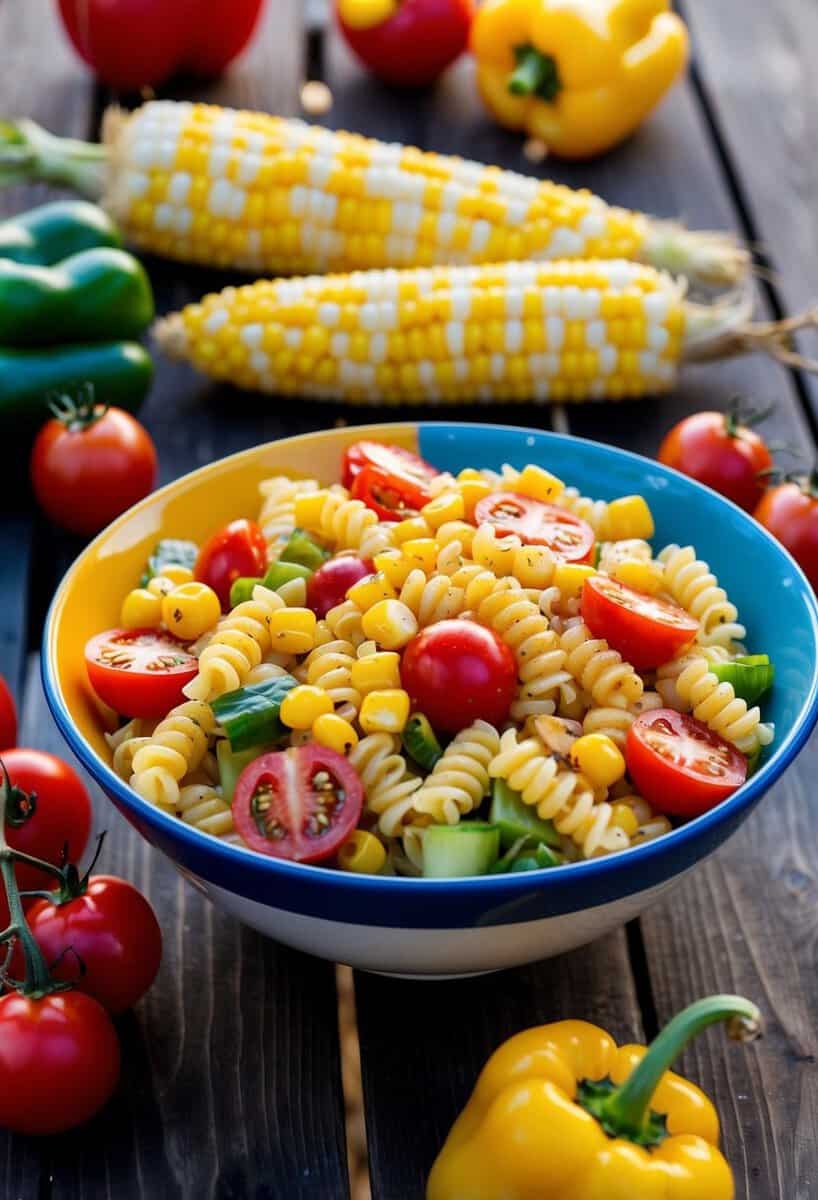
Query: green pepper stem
[28, 152]
[535, 74]
[626, 1108]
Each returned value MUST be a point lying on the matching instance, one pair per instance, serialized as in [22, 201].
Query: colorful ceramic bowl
[460, 926]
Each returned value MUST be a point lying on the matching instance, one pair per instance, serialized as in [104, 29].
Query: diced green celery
[250, 715]
[456, 851]
[516, 820]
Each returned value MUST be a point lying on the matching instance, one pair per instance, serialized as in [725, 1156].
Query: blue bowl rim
[595, 869]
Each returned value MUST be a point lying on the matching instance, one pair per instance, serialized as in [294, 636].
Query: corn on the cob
[513, 331]
[277, 196]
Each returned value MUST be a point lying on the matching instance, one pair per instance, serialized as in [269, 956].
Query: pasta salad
[413, 673]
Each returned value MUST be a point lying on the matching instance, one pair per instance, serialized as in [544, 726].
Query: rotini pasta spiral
[667, 674]
[350, 525]
[344, 622]
[650, 824]
[125, 742]
[237, 646]
[615, 722]
[719, 707]
[628, 550]
[202, 806]
[459, 779]
[431, 599]
[601, 671]
[594, 512]
[389, 787]
[277, 515]
[176, 747]
[558, 793]
[692, 584]
[329, 666]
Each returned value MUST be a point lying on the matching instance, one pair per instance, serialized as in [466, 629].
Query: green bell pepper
[120, 373]
[48, 234]
[96, 295]
[751, 676]
[420, 742]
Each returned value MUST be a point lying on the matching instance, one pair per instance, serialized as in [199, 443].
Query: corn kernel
[177, 574]
[412, 527]
[623, 817]
[334, 732]
[308, 510]
[390, 623]
[570, 577]
[377, 671]
[472, 492]
[292, 630]
[141, 609]
[361, 853]
[422, 553]
[160, 585]
[393, 566]
[384, 711]
[539, 484]
[303, 706]
[534, 566]
[448, 506]
[628, 517]
[370, 590]
[643, 576]
[599, 759]
[190, 610]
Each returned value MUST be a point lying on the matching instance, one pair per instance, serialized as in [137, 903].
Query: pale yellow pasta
[717, 704]
[431, 599]
[344, 623]
[203, 807]
[459, 779]
[125, 742]
[349, 525]
[600, 670]
[615, 722]
[277, 514]
[692, 584]
[389, 787]
[175, 748]
[237, 646]
[628, 550]
[329, 666]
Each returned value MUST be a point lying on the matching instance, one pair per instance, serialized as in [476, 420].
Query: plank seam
[642, 980]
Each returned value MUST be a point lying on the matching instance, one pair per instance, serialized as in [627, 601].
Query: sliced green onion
[170, 552]
[250, 715]
[420, 742]
[751, 676]
[232, 763]
[455, 851]
[303, 549]
[285, 572]
[516, 820]
[241, 589]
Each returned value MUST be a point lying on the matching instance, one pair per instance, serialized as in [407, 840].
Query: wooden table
[231, 1083]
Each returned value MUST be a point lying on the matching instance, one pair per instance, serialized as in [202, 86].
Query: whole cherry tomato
[133, 43]
[458, 671]
[406, 42]
[8, 716]
[59, 1061]
[239, 549]
[392, 459]
[569, 538]
[111, 930]
[139, 672]
[48, 809]
[392, 497]
[790, 512]
[646, 630]
[300, 803]
[679, 765]
[717, 450]
[328, 586]
[88, 468]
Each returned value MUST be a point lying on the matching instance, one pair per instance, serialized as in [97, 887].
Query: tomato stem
[77, 411]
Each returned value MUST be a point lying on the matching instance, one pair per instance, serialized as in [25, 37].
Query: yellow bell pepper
[579, 75]
[561, 1113]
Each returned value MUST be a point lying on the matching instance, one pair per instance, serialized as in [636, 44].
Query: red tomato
[112, 930]
[61, 813]
[458, 671]
[790, 512]
[139, 672]
[392, 459]
[85, 473]
[328, 586]
[715, 449]
[59, 1061]
[392, 497]
[237, 550]
[414, 43]
[679, 765]
[645, 630]
[132, 43]
[299, 804]
[569, 538]
[8, 716]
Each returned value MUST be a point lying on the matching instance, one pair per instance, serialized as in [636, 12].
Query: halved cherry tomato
[679, 765]
[328, 585]
[790, 512]
[299, 804]
[392, 497]
[458, 671]
[569, 538]
[237, 550]
[716, 449]
[139, 672]
[646, 630]
[392, 459]
[8, 716]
